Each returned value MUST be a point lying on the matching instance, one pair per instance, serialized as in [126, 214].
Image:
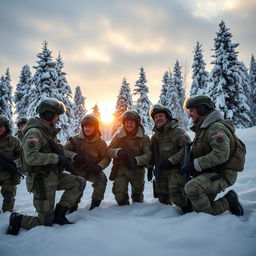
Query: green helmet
[90, 120]
[22, 120]
[159, 108]
[5, 122]
[52, 105]
[131, 115]
[199, 100]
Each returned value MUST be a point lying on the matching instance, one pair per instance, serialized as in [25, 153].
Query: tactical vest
[236, 159]
[41, 168]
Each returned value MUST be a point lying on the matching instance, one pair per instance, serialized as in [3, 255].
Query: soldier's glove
[63, 162]
[79, 159]
[166, 165]
[129, 161]
[122, 153]
[95, 169]
[150, 173]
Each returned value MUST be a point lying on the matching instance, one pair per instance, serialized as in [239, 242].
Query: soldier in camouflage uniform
[168, 144]
[130, 149]
[10, 148]
[21, 124]
[89, 142]
[214, 162]
[44, 171]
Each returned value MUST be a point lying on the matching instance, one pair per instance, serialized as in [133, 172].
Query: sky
[103, 41]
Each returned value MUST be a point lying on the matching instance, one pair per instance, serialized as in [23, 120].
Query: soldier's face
[88, 130]
[21, 126]
[2, 129]
[129, 125]
[160, 119]
[194, 115]
[55, 120]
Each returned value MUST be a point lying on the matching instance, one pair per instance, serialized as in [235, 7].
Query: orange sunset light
[107, 108]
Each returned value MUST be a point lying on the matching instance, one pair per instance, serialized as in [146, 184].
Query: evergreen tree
[143, 103]
[200, 75]
[44, 79]
[96, 111]
[64, 94]
[6, 97]
[252, 81]
[23, 90]
[79, 109]
[178, 112]
[124, 102]
[166, 87]
[228, 80]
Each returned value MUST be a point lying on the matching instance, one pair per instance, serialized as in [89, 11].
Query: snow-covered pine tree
[124, 102]
[200, 75]
[79, 109]
[227, 80]
[252, 81]
[166, 87]
[23, 90]
[6, 97]
[143, 104]
[44, 80]
[64, 94]
[96, 111]
[179, 112]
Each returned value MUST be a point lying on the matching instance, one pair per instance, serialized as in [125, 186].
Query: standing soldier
[91, 159]
[21, 124]
[10, 149]
[130, 149]
[44, 168]
[216, 156]
[168, 144]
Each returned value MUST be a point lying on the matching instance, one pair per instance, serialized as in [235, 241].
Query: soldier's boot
[94, 203]
[14, 223]
[188, 208]
[72, 209]
[59, 215]
[234, 205]
[122, 203]
[137, 198]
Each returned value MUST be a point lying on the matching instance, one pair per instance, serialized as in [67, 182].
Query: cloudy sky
[102, 41]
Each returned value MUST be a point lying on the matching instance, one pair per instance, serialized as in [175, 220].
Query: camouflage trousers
[121, 182]
[8, 191]
[44, 201]
[170, 188]
[201, 191]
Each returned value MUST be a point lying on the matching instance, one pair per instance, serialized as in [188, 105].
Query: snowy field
[146, 229]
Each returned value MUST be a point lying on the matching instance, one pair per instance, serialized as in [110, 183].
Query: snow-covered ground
[147, 229]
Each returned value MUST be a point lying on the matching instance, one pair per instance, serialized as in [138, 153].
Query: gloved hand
[122, 153]
[95, 169]
[62, 161]
[79, 159]
[129, 160]
[166, 165]
[150, 173]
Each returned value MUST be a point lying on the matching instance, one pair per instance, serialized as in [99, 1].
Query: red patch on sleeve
[218, 134]
[34, 139]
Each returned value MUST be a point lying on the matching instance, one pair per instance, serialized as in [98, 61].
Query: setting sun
[107, 109]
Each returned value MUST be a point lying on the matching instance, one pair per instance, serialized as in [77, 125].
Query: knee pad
[8, 196]
[82, 183]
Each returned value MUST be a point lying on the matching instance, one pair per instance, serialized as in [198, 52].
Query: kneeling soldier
[10, 149]
[44, 168]
[216, 157]
[130, 149]
[91, 158]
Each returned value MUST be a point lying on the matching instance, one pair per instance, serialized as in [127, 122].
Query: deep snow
[147, 229]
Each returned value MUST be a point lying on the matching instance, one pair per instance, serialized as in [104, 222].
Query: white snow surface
[147, 229]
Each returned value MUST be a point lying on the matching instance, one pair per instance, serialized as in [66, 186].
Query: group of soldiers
[187, 174]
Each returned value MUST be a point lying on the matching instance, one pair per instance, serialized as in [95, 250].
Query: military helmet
[5, 122]
[90, 120]
[159, 108]
[52, 105]
[131, 115]
[202, 103]
[22, 120]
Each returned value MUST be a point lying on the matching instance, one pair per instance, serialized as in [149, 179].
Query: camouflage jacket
[214, 143]
[96, 147]
[139, 146]
[37, 153]
[170, 142]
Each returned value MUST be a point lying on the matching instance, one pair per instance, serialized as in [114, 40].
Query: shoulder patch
[32, 139]
[217, 134]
